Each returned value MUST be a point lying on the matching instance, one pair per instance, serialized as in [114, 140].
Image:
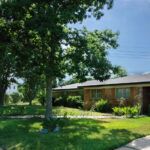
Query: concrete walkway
[82, 117]
[138, 144]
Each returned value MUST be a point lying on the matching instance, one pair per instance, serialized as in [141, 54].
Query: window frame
[97, 95]
[127, 95]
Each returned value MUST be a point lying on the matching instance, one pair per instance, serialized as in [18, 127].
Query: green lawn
[77, 134]
[40, 110]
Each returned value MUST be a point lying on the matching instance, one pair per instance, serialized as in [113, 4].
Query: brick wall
[110, 95]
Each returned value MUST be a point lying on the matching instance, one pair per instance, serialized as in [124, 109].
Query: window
[122, 92]
[95, 94]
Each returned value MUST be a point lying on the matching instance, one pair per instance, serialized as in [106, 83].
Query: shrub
[122, 102]
[118, 111]
[7, 99]
[74, 101]
[132, 111]
[127, 111]
[102, 106]
[60, 101]
[70, 101]
[41, 96]
[93, 108]
[138, 108]
[65, 114]
[16, 97]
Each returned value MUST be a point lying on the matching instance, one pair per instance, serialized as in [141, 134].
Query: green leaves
[87, 53]
[119, 71]
[42, 29]
[37, 32]
[8, 42]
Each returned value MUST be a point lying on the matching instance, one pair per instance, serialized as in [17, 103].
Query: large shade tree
[8, 42]
[51, 48]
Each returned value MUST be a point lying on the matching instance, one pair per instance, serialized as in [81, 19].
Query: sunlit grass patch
[76, 134]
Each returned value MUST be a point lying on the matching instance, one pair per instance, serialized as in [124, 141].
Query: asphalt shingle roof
[132, 79]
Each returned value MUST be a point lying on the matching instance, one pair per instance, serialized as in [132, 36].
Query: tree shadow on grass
[77, 134]
[118, 137]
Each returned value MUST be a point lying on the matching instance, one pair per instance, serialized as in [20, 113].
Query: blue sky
[132, 19]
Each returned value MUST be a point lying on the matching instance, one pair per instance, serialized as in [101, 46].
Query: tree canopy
[8, 42]
[49, 47]
[121, 72]
[87, 53]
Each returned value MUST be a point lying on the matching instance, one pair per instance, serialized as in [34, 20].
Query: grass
[40, 110]
[77, 134]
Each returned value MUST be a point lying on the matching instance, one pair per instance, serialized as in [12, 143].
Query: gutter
[114, 84]
[103, 85]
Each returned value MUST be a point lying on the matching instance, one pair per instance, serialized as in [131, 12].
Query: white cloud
[147, 72]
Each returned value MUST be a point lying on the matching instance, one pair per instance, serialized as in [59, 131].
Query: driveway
[138, 144]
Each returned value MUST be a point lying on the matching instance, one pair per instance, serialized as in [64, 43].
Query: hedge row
[70, 101]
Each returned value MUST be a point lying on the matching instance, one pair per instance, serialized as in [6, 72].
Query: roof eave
[115, 84]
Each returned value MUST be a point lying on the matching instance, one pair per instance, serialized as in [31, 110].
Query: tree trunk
[3, 88]
[30, 102]
[1, 97]
[2, 94]
[48, 114]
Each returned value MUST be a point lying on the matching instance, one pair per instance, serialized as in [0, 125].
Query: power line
[124, 57]
[130, 55]
[129, 50]
[135, 46]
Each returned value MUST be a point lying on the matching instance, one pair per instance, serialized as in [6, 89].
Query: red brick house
[135, 89]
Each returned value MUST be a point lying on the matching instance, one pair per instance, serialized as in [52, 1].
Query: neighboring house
[12, 88]
[135, 89]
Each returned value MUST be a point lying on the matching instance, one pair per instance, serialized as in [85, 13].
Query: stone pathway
[138, 144]
[82, 117]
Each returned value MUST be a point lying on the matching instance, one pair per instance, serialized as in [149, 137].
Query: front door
[146, 99]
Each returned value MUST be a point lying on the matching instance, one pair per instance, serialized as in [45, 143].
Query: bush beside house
[102, 106]
[59, 101]
[74, 101]
[127, 111]
[70, 101]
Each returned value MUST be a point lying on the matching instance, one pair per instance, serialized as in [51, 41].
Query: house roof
[68, 87]
[132, 79]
